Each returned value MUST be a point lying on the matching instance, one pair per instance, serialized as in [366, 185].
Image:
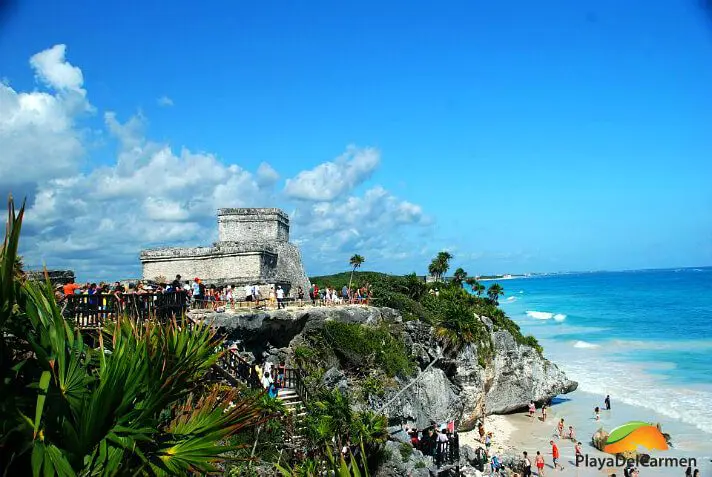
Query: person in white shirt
[248, 292]
[280, 297]
[266, 379]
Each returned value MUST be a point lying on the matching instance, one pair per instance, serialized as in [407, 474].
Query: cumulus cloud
[266, 175]
[96, 220]
[164, 101]
[332, 179]
[374, 224]
[38, 130]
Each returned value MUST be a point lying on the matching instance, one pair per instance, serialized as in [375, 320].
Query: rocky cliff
[445, 386]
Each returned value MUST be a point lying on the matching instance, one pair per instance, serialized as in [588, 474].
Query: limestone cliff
[447, 386]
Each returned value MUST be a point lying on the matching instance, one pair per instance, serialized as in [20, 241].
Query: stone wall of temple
[252, 225]
[253, 249]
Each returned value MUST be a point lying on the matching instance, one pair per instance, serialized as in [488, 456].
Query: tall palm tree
[494, 292]
[439, 265]
[459, 276]
[355, 263]
[476, 286]
[479, 289]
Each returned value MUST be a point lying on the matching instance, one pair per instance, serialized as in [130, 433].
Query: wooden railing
[91, 311]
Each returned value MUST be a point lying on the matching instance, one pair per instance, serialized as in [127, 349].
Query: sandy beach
[513, 434]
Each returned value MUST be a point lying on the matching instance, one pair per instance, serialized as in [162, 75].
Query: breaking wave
[585, 344]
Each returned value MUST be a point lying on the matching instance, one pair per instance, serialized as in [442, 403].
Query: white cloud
[164, 101]
[330, 180]
[55, 71]
[374, 224]
[38, 130]
[266, 175]
[96, 220]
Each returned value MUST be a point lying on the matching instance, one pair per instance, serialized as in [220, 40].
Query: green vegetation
[406, 450]
[135, 403]
[454, 312]
[365, 347]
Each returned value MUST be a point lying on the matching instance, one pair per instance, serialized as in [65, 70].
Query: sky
[520, 136]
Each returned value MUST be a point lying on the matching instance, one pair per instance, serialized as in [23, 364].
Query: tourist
[481, 430]
[266, 379]
[597, 413]
[58, 294]
[345, 294]
[195, 288]
[555, 455]
[578, 452]
[532, 409]
[70, 288]
[281, 372]
[280, 297]
[527, 465]
[300, 296]
[495, 465]
[607, 402]
[539, 461]
[572, 434]
[696, 473]
[543, 413]
[177, 284]
[488, 441]
[272, 297]
[688, 472]
[560, 428]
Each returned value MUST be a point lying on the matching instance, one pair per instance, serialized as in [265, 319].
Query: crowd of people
[201, 295]
[441, 442]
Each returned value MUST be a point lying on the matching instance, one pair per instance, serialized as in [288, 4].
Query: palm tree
[138, 404]
[459, 276]
[440, 265]
[355, 263]
[476, 286]
[494, 292]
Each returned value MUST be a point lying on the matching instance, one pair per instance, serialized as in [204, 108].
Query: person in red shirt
[555, 455]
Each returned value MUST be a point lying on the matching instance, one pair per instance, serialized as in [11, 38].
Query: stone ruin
[253, 248]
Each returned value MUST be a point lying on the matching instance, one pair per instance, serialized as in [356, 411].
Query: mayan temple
[253, 248]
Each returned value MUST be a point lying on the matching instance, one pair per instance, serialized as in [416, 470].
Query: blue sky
[522, 137]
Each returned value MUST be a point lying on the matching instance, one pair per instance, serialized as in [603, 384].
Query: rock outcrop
[446, 387]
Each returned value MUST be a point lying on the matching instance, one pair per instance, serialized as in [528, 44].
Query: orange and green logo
[632, 435]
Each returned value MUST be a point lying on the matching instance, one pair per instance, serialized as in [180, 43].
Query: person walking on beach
[539, 461]
[560, 428]
[527, 466]
[543, 413]
[607, 402]
[578, 452]
[532, 409]
[555, 455]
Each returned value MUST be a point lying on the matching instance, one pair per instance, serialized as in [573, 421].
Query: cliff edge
[442, 385]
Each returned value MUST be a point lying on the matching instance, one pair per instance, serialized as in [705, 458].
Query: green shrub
[362, 346]
[373, 386]
[406, 450]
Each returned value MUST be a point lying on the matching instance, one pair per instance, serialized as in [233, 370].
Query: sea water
[644, 337]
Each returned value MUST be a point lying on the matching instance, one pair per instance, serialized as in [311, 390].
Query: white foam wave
[585, 344]
[540, 315]
[633, 384]
[559, 317]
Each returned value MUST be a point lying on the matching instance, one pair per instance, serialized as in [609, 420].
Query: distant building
[253, 248]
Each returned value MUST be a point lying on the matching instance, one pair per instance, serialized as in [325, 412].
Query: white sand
[517, 433]
[501, 429]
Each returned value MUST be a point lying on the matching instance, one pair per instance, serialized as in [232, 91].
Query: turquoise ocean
[644, 337]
